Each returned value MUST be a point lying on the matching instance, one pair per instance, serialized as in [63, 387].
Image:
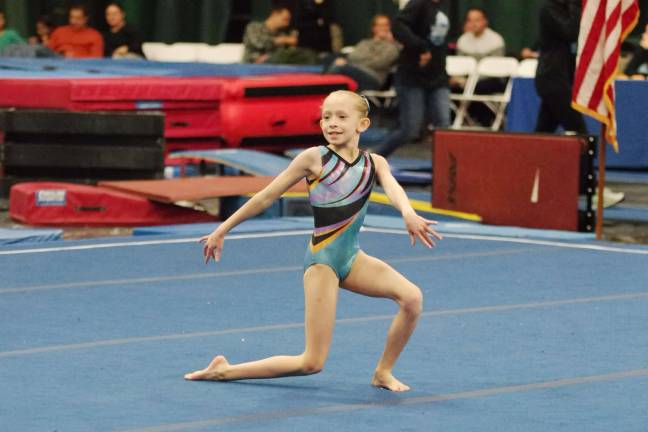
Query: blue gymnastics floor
[516, 335]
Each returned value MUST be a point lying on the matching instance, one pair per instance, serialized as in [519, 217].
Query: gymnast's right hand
[213, 245]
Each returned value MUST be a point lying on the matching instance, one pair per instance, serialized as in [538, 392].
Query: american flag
[604, 25]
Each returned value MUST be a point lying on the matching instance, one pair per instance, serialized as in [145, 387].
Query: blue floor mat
[25, 235]
[513, 337]
[408, 164]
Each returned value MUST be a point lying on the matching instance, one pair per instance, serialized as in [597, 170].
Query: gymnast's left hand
[213, 245]
[419, 227]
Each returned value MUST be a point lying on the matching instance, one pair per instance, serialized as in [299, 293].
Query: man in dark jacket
[559, 26]
[637, 68]
[421, 81]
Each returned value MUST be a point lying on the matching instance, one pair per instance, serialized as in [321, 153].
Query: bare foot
[387, 381]
[213, 372]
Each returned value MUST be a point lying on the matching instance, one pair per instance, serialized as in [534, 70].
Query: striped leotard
[339, 197]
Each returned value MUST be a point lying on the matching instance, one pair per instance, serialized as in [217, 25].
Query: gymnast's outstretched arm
[417, 226]
[307, 163]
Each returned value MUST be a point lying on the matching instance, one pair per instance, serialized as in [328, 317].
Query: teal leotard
[339, 197]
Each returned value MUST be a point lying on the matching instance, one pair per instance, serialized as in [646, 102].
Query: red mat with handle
[68, 204]
[523, 180]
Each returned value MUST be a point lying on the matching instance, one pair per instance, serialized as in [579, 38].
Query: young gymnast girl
[340, 177]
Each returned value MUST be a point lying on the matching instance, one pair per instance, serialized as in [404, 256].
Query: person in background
[44, 29]
[637, 67]
[420, 80]
[8, 36]
[263, 38]
[479, 40]
[318, 31]
[121, 40]
[77, 40]
[559, 27]
[272, 41]
[372, 59]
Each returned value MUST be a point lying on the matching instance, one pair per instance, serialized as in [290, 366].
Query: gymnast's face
[342, 121]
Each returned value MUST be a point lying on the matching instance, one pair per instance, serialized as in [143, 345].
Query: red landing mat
[66, 204]
[195, 188]
[272, 112]
[276, 112]
[190, 104]
[523, 180]
[109, 93]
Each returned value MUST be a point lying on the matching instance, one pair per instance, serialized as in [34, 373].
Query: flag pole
[601, 185]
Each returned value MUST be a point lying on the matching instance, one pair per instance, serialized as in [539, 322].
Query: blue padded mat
[96, 68]
[261, 163]
[405, 171]
[249, 226]
[248, 161]
[412, 177]
[626, 176]
[626, 213]
[372, 221]
[473, 228]
[24, 235]
[411, 164]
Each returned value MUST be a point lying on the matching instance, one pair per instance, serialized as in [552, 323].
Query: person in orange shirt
[77, 40]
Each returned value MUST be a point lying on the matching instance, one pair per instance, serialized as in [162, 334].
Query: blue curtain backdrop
[215, 21]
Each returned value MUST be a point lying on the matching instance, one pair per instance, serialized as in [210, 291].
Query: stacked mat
[212, 106]
[81, 147]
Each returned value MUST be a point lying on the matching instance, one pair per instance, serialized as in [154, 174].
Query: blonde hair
[360, 103]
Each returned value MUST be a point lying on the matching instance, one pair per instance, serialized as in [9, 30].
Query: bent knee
[311, 366]
[412, 303]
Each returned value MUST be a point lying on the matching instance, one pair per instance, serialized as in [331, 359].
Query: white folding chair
[195, 46]
[180, 52]
[151, 49]
[462, 68]
[527, 68]
[491, 67]
[221, 53]
[383, 99]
